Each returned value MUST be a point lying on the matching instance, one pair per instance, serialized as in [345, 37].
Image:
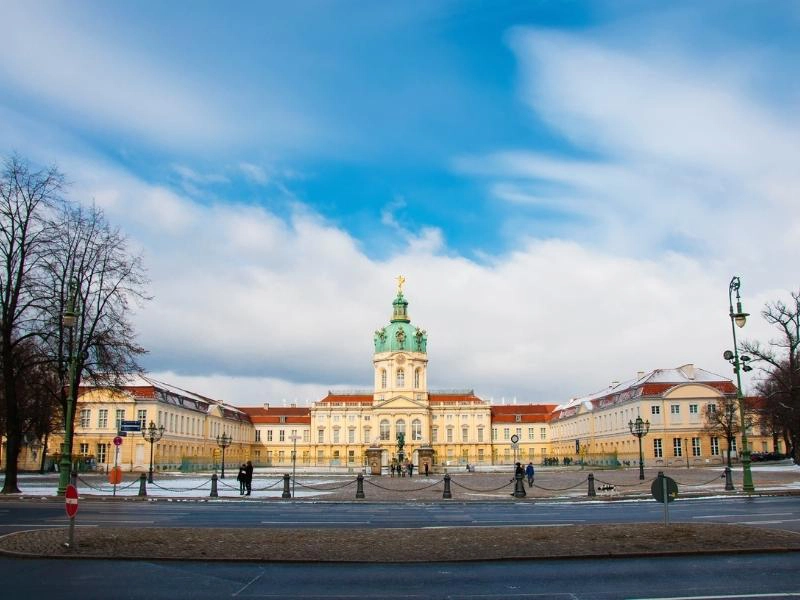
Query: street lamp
[738, 319]
[294, 439]
[223, 441]
[68, 320]
[152, 434]
[639, 428]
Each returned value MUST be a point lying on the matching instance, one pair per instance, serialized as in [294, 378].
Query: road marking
[778, 522]
[741, 515]
[315, 522]
[725, 597]
[43, 525]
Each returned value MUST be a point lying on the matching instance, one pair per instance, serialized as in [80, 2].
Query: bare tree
[780, 369]
[722, 421]
[26, 196]
[91, 260]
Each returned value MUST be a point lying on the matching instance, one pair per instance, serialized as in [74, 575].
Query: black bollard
[447, 493]
[728, 480]
[592, 493]
[360, 486]
[143, 485]
[214, 493]
[286, 493]
[519, 486]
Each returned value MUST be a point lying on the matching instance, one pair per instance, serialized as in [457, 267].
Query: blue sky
[527, 166]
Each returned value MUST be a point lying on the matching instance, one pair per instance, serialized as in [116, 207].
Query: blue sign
[130, 426]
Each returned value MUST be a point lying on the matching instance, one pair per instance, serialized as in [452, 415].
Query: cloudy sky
[568, 187]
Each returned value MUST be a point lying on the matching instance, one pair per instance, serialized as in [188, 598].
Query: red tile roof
[527, 413]
[348, 398]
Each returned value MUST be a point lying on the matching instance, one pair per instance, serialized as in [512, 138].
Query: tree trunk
[13, 433]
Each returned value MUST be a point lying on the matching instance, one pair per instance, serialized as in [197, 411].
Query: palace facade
[446, 428]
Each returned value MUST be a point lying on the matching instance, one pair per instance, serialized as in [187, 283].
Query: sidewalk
[552, 483]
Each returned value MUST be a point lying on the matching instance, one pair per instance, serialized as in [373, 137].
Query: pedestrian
[426, 469]
[248, 477]
[410, 469]
[529, 474]
[242, 479]
[391, 469]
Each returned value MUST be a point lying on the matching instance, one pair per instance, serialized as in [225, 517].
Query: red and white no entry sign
[117, 441]
[71, 501]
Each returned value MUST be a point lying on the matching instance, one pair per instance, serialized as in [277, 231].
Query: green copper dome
[399, 334]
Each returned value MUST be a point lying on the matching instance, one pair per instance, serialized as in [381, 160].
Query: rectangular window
[494, 434]
[320, 436]
[658, 451]
[351, 456]
[733, 444]
[693, 409]
[677, 448]
[714, 446]
[281, 457]
[531, 433]
[465, 434]
[543, 433]
[86, 416]
[119, 416]
[480, 455]
[675, 409]
[307, 434]
[435, 434]
[258, 435]
[655, 409]
[269, 435]
[695, 446]
[449, 434]
[351, 436]
[102, 418]
[281, 435]
[84, 449]
[519, 432]
[506, 433]
[480, 435]
[101, 453]
[141, 416]
[335, 435]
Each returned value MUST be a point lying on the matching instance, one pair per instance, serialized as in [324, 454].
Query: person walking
[426, 469]
[410, 469]
[529, 474]
[248, 477]
[242, 479]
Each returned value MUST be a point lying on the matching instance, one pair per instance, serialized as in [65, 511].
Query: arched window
[401, 378]
[385, 429]
[383, 378]
[416, 378]
[400, 427]
[416, 430]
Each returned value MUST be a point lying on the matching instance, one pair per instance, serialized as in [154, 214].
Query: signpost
[130, 426]
[664, 489]
[115, 476]
[71, 506]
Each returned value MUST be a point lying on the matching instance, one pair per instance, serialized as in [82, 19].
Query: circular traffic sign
[514, 438]
[657, 489]
[71, 500]
[117, 441]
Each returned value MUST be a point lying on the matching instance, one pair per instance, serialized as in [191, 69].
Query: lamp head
[727, 355]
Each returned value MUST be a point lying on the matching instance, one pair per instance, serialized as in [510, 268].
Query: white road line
[315, 522]
[775, 522]
[725, 597]
[741, 515]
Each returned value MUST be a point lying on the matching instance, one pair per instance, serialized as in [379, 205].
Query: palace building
[401, 418]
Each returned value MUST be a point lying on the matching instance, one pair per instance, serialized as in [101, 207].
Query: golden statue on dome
[400, 281]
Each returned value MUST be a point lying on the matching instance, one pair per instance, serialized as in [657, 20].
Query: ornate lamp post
[223, 441]
[639, 428]
[738, 319]
[152, 434]
[68, 320]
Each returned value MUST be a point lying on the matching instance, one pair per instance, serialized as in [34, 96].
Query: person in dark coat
[248, 476]
[410, 469]
[529, 474]
[242, 479]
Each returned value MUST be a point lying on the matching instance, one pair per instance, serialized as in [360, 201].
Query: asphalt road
[772, 512]
[758, 576]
